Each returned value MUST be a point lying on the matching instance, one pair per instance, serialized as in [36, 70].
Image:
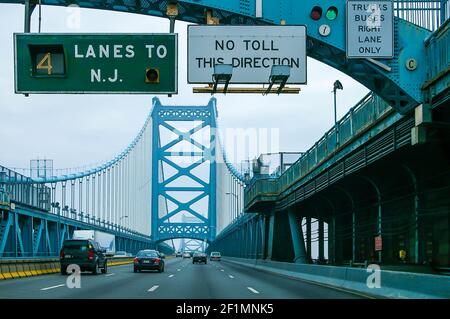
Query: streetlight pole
[336, 86]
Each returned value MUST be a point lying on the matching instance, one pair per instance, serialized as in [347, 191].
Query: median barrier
[27, 267]
[391, 284]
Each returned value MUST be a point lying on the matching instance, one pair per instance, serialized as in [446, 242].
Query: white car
[215, 255]
[121, 254]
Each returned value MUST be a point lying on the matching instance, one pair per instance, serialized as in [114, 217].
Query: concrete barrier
[19, 268]
[393, 284]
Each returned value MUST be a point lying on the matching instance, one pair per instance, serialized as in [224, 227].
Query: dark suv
[85, 253]
[199, 258]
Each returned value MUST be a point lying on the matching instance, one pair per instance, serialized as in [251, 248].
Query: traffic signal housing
[151, 75]
[316, 13]
[331, 13]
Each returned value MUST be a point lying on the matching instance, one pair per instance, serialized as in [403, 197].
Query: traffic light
[332, 13]
[316, 13]
[151, 75]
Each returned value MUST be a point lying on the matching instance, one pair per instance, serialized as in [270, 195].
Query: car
[178, 254]
[215, 255]
[186, 255]
[86, 253]
[199, 258]
[148, 260]
[121, 254]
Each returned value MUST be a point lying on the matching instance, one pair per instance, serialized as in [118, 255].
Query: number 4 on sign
[46, 59]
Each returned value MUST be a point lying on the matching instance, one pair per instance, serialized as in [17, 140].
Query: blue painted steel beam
[399, 86]
[162, 227]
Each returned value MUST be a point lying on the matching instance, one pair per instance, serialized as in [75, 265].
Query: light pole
[336, 86]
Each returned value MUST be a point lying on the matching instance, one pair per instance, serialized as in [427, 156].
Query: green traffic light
[332, 13]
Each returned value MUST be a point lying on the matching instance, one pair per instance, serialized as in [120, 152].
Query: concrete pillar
[270, 235]
[308, 238]
[298, 242]
[262, 226]
[321, 241]
[332, 240]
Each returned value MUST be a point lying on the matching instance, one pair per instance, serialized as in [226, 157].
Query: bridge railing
[438, 57]
[358, 119]
[428, 14]
[22, 191]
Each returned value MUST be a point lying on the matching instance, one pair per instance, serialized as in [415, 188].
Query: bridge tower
[184, 171]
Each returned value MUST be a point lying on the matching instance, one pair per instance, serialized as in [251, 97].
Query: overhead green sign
[96, 63]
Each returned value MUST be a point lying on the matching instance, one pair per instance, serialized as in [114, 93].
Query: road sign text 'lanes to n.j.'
[96, 63]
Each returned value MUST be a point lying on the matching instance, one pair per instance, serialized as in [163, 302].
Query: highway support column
[321, 241]
[308, 238]
[298, 242]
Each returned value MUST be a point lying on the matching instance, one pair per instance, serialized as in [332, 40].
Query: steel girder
[400, 87]
[27, 232]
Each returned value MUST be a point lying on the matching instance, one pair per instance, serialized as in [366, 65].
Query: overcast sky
[78, 130]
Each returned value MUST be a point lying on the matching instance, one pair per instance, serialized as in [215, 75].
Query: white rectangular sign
[370, 32]
[251, 50]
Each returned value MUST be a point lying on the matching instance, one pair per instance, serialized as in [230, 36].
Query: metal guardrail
[438, 58]
[35, 195]
[356, 120]
[428, 14]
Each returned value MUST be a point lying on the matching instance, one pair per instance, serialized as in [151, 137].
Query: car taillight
[61, 254]
[157, 260]
[90, 254]
[136, 260]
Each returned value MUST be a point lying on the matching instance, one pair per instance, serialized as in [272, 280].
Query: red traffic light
[316, 13]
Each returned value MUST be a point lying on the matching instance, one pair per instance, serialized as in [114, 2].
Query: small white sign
[251, 50]
[370, 31]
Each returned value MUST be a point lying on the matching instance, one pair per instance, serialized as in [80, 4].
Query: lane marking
[178, 269]
[109, 275]
[170, 276]
[153, 288]
[57, 286]
[253, 290]
[230, 276]
[222, 270]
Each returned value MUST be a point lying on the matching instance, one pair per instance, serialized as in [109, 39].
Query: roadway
[181, 280]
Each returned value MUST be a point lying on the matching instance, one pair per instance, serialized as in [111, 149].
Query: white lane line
[57, 286]
[178, 269]
[253, 290]
[109, 275]
[222, 270]
[170, 276]
[231, 276]
[153, 288]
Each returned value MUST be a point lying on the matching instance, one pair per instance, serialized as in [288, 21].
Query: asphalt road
[181, 280]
